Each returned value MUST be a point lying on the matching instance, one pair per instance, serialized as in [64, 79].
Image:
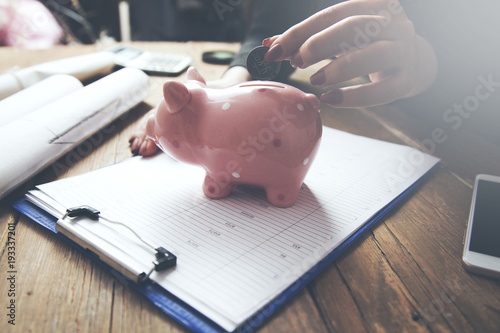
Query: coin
[258, 67]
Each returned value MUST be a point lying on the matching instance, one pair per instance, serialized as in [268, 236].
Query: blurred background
[41, 24]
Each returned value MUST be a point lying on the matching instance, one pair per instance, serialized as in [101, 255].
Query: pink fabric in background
[28, 24]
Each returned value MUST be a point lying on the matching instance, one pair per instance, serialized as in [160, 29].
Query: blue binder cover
[185, 314]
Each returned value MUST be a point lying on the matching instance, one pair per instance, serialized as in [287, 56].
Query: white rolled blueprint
[37, 139]
[81, 67]
[38, 95]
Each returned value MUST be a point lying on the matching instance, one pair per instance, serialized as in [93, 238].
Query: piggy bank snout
[313, 102]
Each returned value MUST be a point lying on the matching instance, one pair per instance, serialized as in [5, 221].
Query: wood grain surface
[404, 275]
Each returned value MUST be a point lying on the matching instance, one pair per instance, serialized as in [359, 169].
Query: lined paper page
[236, 254]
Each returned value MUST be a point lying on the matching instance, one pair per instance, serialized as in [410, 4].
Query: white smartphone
[482, 239]
[163, 64]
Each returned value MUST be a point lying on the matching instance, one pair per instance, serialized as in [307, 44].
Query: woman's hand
[366, 37]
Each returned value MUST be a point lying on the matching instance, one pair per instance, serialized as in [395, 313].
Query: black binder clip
[85, 211]
[164, 260]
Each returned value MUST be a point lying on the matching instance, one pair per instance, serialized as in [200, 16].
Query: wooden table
[404, 275]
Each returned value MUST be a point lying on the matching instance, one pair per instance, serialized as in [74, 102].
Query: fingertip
[148, 148]
[269, 41]
[274, 53]
[333, 97]
[135, 146]
[265, 42]
[296, 60]
[318, 78]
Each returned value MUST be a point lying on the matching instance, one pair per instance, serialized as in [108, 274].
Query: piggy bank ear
[176, 95]
[193, 74]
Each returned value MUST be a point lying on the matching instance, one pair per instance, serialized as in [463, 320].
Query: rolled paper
[82, 67]
[34, 141]
[38, 95]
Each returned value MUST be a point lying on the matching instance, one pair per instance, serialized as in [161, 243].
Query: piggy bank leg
[216, 189]
[284, 196]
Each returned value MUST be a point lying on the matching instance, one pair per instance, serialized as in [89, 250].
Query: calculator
[162, 64]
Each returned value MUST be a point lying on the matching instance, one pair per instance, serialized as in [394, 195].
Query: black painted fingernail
[318, 78]
[333, 97]
[274, 53]
[296, 60]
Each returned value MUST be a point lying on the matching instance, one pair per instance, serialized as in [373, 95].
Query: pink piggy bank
[258, 133]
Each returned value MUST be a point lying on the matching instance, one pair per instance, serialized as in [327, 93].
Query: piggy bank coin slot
[262, 85]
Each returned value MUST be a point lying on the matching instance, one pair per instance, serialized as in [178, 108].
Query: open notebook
[236, 255]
